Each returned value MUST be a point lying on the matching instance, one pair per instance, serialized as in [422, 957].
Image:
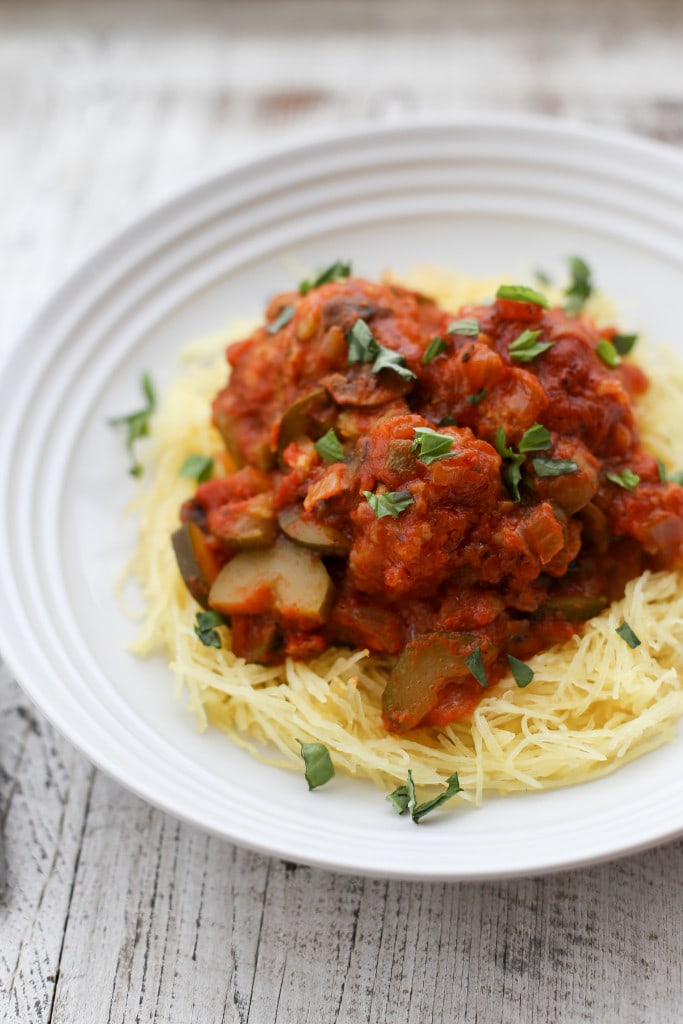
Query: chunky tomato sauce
[538, 508]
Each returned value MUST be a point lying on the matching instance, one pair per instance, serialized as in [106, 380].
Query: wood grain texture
[113, 911]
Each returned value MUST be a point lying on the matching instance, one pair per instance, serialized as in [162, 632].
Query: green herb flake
[520, 293]
[452, 788]
[544, 466]
[669, 478]
[435, 347]
[137, 423]
[197, 467]
[606, 351]
[432, 446]
[580, 286]
[512, 472]
[404, 798]
[364, 348]
[627, 634]
[626, 479]
[525, 348]
[676, 477]
[535, 439]
[318, 764]
[543, 278]
[329, 447]
[205, 627]
[392, 503]
[521, 672]
[623, 343]
[468, 326]
[661, 469]
[387, 359]
[281, 320]
[476, 666]
[476, 399]
[337, 271]
[447, 421]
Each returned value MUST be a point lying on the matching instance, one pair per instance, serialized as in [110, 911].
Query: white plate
[486, 196]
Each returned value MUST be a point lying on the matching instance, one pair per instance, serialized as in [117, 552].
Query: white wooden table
[113, 911]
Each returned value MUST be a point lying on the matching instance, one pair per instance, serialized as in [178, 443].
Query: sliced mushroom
[300, 419]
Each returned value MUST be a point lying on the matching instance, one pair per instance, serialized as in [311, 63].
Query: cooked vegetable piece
[286, 579]
[300, 419]
[303, 529]
[400, 455]
[426, 665]
[574, 607]
[196, 561]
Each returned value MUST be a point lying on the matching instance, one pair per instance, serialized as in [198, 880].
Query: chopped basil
[525, 348]
[329, 447]
[431, 445]
[468, 326]
[543, 278]
[666, 477]
[520, 670]
[318, 764]
[476, 399]
[387, 359]
[623, 343]
[626, 479]
[337, 271]
[476, 666]
[544, 466]
[447, 421]
[404, 799]
[364, 348]
[627, 634]
[205, 628]
[580, 287]
[197, 467]
[435, 347]
[535, 439]
[281, 320]
[137, 423]
[520, 293]
[392, 503]
[606, 351]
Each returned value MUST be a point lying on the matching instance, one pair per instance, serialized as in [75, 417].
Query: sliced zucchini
[287, 580]
[427, 663]
[300, 527]
[574, 607]
[300, 419]
[196, 561]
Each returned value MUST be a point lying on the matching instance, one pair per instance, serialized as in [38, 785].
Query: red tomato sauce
[508, 546]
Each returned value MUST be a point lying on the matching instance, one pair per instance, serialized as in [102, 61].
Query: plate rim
[109, 251]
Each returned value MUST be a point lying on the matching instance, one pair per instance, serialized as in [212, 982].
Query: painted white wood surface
[113, 911]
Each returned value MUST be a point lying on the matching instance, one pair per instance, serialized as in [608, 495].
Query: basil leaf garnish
[580, 287]
[476, 399]
[281, 320]
[627, 634]
[521, 672]
[525, 348]
[476, 666]
[404, 799]
[205, 627]
[318, 764]
[337, 271]
[329, 447]
[392, 503]
[435, 347]
[623, 343]
[535, 439]
[364, 348]
[468, 326]
[554, 467]
[431, 445]
[626, 479]
[197, 467]
[520, 293]
[137, 423]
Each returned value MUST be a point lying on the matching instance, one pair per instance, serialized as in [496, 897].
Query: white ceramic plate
[486, 196]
